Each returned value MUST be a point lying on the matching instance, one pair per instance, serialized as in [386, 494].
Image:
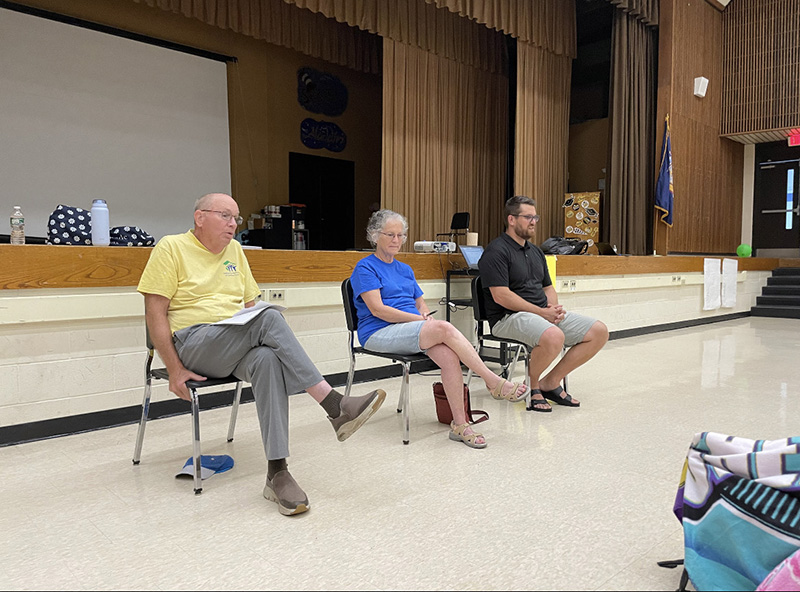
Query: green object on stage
[744, 250]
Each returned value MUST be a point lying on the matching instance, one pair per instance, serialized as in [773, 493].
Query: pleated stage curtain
[542, 134]
[627, 210]
[280, 23]
[549, 24]
[444, 142]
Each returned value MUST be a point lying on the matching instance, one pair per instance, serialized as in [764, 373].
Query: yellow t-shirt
[202, 287]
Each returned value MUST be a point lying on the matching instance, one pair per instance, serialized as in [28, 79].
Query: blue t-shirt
[399, 289]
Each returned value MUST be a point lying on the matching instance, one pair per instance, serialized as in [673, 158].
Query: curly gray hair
[378, 221]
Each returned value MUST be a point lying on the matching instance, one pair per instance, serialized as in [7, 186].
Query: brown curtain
[444, 142]
[542, 133]
[418, 23]
[545, 23]
[644, 10]
[549, 24]
[280, 23]
[627, 211]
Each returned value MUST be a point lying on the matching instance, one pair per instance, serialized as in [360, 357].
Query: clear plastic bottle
[100, 223]
[17, 227]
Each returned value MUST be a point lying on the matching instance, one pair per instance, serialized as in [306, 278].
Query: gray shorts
[397, 338]
[528, 327]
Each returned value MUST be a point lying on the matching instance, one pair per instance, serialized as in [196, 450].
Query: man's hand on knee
[177, 382]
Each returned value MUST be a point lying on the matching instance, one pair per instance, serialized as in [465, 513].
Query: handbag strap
[474, 412]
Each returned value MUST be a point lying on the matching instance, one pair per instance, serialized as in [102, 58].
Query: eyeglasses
[528, 217]
[391, 236]
[227, 216]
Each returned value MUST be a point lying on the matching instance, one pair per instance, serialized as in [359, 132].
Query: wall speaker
[700, 86]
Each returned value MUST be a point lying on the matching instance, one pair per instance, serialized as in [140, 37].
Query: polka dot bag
[68, 225]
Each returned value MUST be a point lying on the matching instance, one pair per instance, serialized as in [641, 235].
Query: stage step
[778, 300]
[781, 296]
[780, 290]
[783, 280]
[786, 271]
[783, 312]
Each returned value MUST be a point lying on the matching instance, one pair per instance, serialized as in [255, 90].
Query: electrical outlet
[572, 285]
[565, 285]
[276, 295]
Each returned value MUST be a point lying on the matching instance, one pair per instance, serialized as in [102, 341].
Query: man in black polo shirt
[522, 304]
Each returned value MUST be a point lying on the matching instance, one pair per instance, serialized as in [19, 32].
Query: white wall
[87, 115]
[65, 352]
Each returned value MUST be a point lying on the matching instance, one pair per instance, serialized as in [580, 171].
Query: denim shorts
[528, 327]
[397, 338]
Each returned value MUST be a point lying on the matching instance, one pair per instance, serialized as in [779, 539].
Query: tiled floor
[576, 499]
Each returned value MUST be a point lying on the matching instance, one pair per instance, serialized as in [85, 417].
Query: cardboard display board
[582, 217]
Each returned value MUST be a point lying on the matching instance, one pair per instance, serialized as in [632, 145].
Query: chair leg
[513, 367]
[470, 373]
[566, 390]
[405, 395]
[350, 374]
[235, 410]
[137, 451]
[198, 481]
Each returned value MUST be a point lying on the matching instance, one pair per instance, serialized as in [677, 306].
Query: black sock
[273, 466]
[332, 404]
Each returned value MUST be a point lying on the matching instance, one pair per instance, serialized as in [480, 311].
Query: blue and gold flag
[664, 191]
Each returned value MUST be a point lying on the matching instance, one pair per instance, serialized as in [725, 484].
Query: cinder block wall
[67, 352]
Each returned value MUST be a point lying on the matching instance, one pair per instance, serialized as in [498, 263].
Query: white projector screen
[87, 115]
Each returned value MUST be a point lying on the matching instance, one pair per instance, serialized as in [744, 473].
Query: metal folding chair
[192, 385]
[519, 347]
[351, 317]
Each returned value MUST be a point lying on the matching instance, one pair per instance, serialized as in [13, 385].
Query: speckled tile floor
[575, 499]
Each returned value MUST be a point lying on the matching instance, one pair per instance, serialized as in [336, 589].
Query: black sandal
[539, 402]
[555, 396]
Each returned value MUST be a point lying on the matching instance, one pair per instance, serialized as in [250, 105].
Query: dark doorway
[776, 213]
[327, 187]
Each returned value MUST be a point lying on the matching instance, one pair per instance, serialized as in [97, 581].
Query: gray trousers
[265, 353]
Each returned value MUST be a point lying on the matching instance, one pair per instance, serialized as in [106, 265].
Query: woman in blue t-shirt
[393, 318]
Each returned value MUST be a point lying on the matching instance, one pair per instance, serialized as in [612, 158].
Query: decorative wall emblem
[322, 134]
[320, 92]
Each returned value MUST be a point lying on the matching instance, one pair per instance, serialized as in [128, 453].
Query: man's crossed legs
[266, 353]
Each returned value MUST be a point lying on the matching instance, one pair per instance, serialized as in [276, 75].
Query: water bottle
[17, 227]
[100, 223]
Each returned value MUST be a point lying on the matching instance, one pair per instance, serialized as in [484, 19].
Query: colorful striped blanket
[738, 503]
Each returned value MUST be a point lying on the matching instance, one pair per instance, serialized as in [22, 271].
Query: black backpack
[558, 245]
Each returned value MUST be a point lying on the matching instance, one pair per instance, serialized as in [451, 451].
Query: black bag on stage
[558, 245]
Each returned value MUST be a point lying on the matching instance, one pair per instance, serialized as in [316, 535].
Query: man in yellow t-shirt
[195, 279]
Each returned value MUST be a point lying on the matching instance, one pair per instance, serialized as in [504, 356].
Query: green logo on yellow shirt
[230, 268]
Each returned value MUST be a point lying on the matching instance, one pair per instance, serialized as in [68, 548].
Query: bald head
[211, 200]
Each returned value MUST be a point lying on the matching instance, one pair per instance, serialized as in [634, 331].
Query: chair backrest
[350, 312]
[148, 341]
[478, 304]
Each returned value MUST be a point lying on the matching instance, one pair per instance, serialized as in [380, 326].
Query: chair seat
[390, 356]
[162, 374]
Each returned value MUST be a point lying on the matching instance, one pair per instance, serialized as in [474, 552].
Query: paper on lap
[246, 315]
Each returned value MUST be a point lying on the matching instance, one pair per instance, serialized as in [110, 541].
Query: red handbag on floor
[443, 411]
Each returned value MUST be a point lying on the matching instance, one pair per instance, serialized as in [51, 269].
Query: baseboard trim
[88, 422]
[677, 325]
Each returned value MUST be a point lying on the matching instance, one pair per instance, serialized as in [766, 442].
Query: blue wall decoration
[322, 134]
[320, 92]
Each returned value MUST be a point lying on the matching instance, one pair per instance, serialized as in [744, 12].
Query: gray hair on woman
[377, 223]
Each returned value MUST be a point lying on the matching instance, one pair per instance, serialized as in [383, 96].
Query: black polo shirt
[523, 269]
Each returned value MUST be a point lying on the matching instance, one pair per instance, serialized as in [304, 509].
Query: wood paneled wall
[707, 169]
[761, 66]
[44, 266]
